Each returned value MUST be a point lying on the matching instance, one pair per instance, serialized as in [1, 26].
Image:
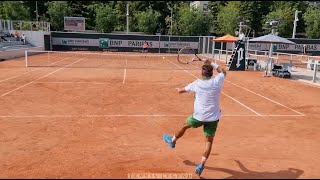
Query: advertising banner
[280, 47]
[106, 43]
[74, 23]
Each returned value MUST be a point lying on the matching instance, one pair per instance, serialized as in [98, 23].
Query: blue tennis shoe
[199, 169]
[168, 139]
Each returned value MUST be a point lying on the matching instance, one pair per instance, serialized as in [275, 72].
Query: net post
[26, 57]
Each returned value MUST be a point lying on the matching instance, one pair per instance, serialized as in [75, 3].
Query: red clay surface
[107, 122]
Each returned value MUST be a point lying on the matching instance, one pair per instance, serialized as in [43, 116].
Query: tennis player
[145, 46]
[206, 108]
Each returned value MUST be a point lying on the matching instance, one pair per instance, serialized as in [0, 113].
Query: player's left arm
[189, 88]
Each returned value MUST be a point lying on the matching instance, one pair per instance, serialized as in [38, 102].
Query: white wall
[202, 5]
[35, 38]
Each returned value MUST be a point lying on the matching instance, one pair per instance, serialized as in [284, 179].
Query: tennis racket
[187, 55]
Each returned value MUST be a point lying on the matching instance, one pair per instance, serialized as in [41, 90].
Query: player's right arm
[217, 67]
[220, 69]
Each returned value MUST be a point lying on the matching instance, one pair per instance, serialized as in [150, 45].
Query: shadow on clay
[290, 173]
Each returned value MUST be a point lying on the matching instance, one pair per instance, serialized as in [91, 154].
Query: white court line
[135, 115]
[263, 97]
[89, 82]
[266, 98]
[39, 78]
[221, 92]
[125, 72]
[242, 104]
[32, 70]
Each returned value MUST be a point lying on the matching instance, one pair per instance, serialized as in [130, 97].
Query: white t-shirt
[207, 98]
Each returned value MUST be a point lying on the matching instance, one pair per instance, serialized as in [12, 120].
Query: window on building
[205, 7]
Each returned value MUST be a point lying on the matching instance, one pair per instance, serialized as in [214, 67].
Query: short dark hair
[207, 70]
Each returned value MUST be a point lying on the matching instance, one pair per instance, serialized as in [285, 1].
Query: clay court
[92, 116]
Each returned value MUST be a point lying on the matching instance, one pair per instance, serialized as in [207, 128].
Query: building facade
[202, 5]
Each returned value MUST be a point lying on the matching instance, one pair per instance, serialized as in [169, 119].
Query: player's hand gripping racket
[187, 55]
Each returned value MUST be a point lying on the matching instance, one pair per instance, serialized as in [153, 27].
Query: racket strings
[186, 55]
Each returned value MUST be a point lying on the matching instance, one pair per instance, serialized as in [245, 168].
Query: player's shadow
[290, 173]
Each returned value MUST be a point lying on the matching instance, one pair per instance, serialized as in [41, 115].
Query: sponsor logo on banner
[280, 47]
[125, 43]
[103, 42]
[76, 42]
[179, 45]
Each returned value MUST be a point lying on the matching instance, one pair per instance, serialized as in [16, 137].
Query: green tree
[193, 22]
[13, 10]
[57, 10]
[163, 7]
[294, 5]
[32, 5]
[312, 22]
[120, 9]
[285, 16]
[227, 18]
[215, 7]
[301, 5]
[106, 19]
[254, 11]
[85, 9]
[147, 21]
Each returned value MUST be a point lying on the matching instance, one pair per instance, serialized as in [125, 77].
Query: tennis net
[104, 60]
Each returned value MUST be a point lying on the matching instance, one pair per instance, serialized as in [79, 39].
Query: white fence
[16, 53]
[223, 52]
[19, 25]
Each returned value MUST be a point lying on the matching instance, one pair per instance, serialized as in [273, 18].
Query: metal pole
[315, 68]
[169, 44]
[240, 30]
[203, 45]
[37, 11]
[171, 22]
[269, 67]
[221, 45]
[295, 23]
[208, 48]
[170, 30]
[127, 17]
[227, 52]
[26, 57]
[213, 47]
[159, 42]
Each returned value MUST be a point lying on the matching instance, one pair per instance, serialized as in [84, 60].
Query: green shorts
[209, 128]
